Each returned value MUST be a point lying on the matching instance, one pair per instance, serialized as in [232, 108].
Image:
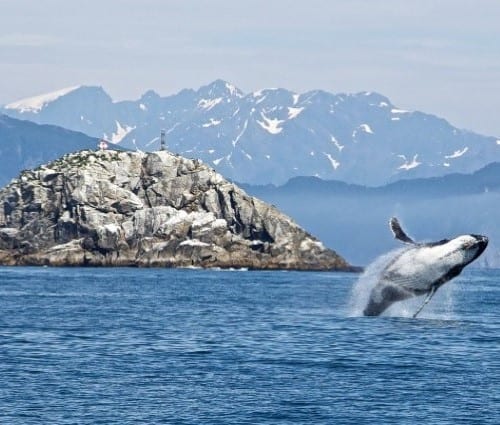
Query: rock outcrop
[112, 208]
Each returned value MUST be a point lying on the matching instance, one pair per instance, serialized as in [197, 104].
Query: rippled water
[220, 347]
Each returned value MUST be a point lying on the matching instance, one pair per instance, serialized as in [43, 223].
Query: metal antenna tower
[162, 140]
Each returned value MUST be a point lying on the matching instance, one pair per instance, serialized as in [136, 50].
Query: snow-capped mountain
[271, 135]
[24, 144]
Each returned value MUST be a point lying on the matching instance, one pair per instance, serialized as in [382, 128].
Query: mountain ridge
[433, 208]
[24, 144]
[272, 135]
[453, 184]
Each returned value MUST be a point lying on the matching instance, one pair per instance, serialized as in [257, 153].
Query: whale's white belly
[417, 268]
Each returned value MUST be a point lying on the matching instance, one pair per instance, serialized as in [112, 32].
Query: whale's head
[473, 246]
[461, 250]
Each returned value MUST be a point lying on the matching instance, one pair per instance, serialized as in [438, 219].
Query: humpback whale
[421, 268]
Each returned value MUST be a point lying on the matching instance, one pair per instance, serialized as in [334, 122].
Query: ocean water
[129, 346]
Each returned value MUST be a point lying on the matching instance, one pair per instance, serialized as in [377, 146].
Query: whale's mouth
[479, 245]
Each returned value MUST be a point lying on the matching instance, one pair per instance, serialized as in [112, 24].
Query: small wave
[229, 269]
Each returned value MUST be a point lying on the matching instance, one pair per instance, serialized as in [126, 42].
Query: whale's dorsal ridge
[399, 233]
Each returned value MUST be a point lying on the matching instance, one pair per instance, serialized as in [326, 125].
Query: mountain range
[272, 135]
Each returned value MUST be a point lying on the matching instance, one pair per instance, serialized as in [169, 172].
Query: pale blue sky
[438, 56]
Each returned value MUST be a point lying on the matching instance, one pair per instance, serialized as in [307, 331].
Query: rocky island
[110, 208]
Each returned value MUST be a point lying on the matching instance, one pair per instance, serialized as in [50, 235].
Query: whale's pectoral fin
[427, 299]
[399, 233]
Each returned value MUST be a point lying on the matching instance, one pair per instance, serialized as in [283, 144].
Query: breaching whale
[422, 268]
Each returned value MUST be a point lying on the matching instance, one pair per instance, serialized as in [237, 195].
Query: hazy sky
[438, 56]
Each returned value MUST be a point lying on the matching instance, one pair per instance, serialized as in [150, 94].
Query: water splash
[362, 288]
[440, 307]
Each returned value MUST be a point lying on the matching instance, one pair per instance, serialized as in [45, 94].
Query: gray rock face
[135, 209]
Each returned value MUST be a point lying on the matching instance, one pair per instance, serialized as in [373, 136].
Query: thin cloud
[28, 40]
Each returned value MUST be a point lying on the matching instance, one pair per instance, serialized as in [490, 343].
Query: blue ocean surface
[128, 346]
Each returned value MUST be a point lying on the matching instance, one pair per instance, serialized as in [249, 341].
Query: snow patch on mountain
[238, 137]
[457, 153]
[294, 112]
[208, 104]
[399, 111]
[153, 140]
[120, 133]
[271, 125]
[233, 90]
[335, 164]
[366, 128]
[336, 143]
[211, 123]
[408, 165]
[37, 103]
[247, 155]
[261, 99]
